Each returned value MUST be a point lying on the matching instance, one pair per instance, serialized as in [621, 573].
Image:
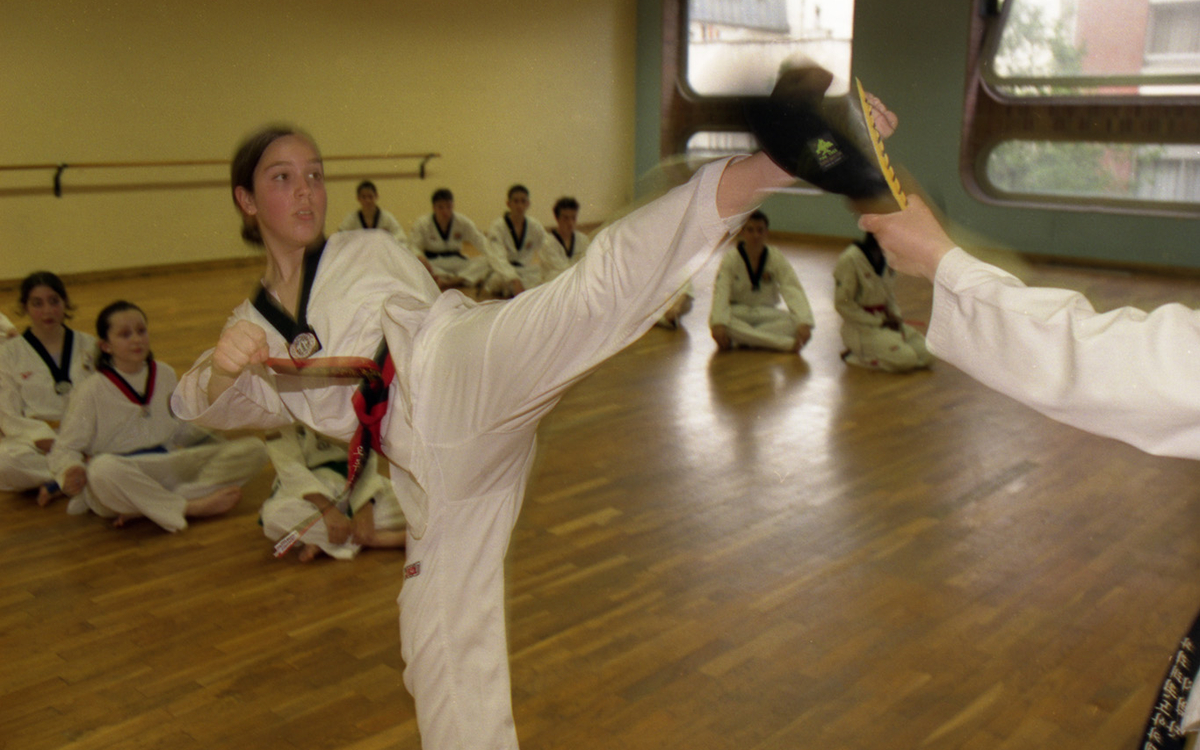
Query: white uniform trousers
[158, 485]
[282, 513]
[529, 274]
[22, 466]
[462, 688]
[471, 270]
[879, 348]
[761, 327]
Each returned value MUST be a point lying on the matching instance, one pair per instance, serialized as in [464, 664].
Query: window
[1096, 47]
[735, 47]
[1087, 103]
[716, 51]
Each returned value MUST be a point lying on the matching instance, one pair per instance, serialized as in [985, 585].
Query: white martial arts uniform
[445, 252]
[307, 463]
[1125, 374]
[866, 301]
[556, 257]
[383, 220]
[6, 327]
[512, 259]
[472, 383]
[28, 403]
[123, 476]
[752, 316]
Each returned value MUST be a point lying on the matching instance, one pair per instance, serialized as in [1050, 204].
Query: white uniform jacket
[861, 296]
[383, 220]
[554, 259]
[508, 256]
[426, 238]
[100, 420]
[734, 287]
[27, 396]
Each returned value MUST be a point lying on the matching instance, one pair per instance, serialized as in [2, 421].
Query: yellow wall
[519, 91]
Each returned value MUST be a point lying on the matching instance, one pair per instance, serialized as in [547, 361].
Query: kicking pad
[829, 142]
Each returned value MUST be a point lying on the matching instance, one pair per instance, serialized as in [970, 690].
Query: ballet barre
[60, 167]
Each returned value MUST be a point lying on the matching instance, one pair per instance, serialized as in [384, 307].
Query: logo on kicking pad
[827, 153]
[412, 571]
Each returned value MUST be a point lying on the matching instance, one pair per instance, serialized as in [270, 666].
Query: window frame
[992, 116]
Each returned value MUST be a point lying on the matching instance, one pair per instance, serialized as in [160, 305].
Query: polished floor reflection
[743, 550]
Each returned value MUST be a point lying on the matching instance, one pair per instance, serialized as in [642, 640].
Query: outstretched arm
[1126, 374]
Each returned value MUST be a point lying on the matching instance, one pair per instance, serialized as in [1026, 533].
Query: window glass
[1088, 47]
[735, 47]
[1121, 172]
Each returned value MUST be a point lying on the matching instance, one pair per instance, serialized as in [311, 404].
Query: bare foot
[308, 552]
[45, 496]
[120, 521]
[221, 501]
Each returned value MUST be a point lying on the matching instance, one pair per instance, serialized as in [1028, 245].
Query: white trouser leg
[452, 618]
[761, 328]
[158, 485]
[22, 466]
[282, 514]
[121, 486]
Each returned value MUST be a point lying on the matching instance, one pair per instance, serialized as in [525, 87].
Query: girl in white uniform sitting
[875, 335]
[310, 474]
[37, 372]
[143, 461]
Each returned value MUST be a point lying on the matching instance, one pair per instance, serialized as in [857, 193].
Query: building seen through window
[1091, 50]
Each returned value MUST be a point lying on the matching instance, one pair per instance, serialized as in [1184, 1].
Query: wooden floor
[748, 550]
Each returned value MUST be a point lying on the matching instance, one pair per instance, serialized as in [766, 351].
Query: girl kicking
[466, 386]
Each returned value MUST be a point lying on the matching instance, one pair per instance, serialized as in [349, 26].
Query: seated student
[122, 454]
[565, 246]
[438, 238]
[37, 372]
[7, 329]
[370, 215]
[310, 475]
[516, 243]
[749, 284]
[874, 334]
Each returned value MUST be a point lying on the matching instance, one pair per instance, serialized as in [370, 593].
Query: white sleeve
[553, 259]
[252, 402]
[793, 293]
[497, 251]
[13, 421]
[474, 237]
[1126, 374]
[388, 222]
[76, 435]
[719, 314]
[350, 223]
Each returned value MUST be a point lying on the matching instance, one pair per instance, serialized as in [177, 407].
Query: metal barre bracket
[58, 180]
